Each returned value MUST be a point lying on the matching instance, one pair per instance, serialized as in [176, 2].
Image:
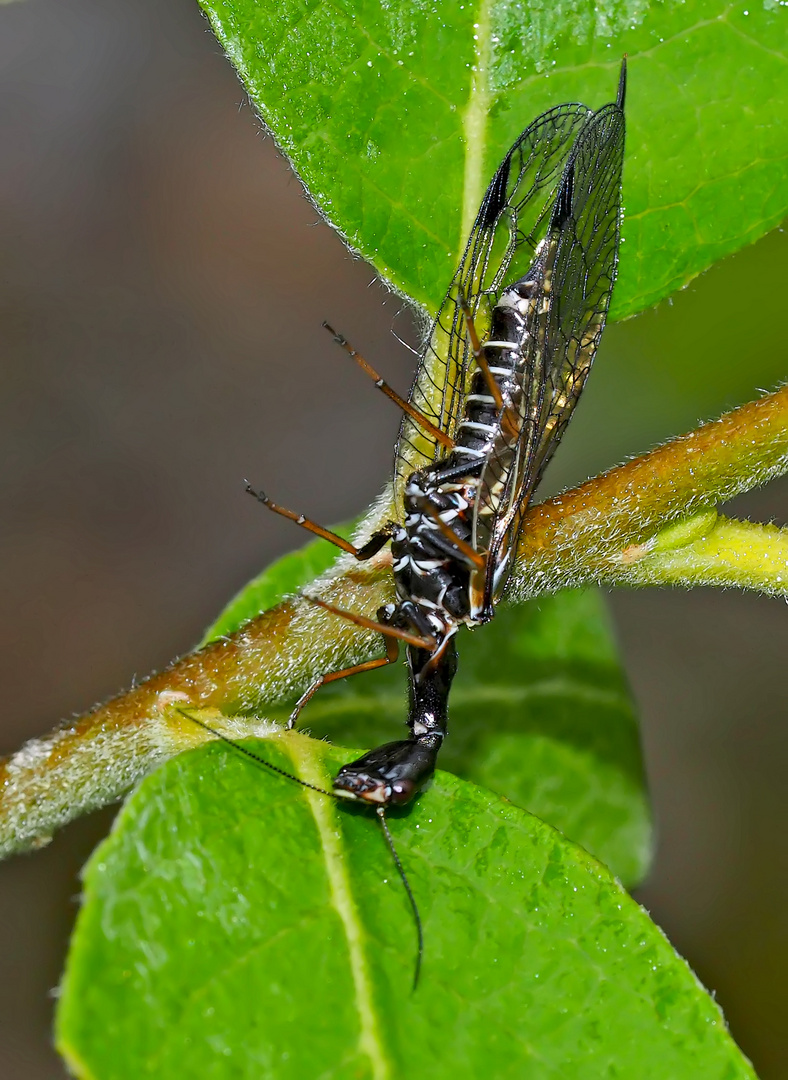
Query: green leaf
[396, 115]
[235, 925]
[540, 712]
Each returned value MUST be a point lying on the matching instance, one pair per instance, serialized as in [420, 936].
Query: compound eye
[402, 791]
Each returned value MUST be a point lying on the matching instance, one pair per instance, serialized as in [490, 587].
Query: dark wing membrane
[585, 267]
[581, 256]
[512, 219]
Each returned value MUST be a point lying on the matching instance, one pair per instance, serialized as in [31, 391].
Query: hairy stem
[648, 522]
[580, 537]
[738, 553]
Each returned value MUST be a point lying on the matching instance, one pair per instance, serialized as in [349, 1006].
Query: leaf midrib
[309, 767]
[475, 126]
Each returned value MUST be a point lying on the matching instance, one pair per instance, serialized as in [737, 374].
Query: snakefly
[499, 376]
[501, 372]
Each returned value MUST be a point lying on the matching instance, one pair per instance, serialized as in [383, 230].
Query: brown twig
[597, 532]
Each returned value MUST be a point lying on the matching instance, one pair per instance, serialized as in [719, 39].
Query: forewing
[512, 219]
[585, 230]
[584, 275]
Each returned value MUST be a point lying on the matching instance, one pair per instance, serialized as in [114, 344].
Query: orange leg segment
[471, 554]
[372, 546]
[304, 522]
[372, 624]
[392, 395]
[392, 652]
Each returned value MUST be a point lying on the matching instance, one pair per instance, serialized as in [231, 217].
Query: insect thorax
[426, 569]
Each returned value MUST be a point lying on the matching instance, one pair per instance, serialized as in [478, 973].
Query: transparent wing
[513, 218]
[577, 274]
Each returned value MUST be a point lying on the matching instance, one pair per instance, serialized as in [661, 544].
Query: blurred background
[163, 285]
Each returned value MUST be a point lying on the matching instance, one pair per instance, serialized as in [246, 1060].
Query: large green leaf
[540, 712]
[237, 926]
[395, 116]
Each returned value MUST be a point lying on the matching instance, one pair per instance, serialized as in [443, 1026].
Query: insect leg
[421, 641]
[372, 546]
[392, 652]
[392, 394]
[392, 635]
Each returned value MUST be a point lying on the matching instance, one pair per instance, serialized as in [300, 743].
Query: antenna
[380, 812]
[255, 757]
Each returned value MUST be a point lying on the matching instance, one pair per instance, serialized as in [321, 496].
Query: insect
[501, 372]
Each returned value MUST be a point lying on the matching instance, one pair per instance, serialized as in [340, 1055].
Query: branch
[650, 521]
[583, 536]
[711, 550]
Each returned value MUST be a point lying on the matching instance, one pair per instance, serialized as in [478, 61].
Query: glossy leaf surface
[540, 712]
[238, 926]
[395, 116]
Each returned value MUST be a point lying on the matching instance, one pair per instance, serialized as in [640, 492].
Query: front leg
[366, 551]
[392, 625]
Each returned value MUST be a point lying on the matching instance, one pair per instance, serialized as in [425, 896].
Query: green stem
[738, 553]
[579, 537]
[650, 521]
